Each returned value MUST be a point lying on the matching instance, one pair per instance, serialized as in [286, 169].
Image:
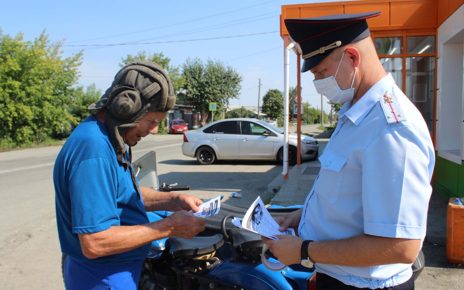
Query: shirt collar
[357, 112]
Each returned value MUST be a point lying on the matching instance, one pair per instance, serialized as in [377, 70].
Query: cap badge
[323, 49]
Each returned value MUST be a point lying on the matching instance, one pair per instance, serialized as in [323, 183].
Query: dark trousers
[325, 282]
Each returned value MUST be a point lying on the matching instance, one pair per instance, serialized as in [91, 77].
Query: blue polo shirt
[374, 179]
[93, 192]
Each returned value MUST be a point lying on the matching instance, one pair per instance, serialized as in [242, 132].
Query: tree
[164, 61]
[81, 99]
[310, 115]
[35, 85]
[273, 104]
[292, 94]
[240, 113]
[208, 83]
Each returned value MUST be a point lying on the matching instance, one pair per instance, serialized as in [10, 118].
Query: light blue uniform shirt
[374, 179]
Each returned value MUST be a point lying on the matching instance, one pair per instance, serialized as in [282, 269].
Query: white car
[244, 138]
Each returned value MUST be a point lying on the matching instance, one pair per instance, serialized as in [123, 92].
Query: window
[395, 67]
[250, 128]
[227, 127]
[210, 129]
[410, 59]
[420, 81]
[388, 45]
[421, 44]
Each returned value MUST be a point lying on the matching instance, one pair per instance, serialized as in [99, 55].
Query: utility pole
[322, 113]
[259, 92]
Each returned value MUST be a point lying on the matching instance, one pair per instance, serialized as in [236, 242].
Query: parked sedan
[244, 138]
[178, 126]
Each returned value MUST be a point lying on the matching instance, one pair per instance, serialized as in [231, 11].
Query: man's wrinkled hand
[187, 202]
[185, 224]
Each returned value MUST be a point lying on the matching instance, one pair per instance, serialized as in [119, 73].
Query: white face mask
[330, 88]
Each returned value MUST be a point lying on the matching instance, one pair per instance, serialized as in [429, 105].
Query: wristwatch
[305, 259]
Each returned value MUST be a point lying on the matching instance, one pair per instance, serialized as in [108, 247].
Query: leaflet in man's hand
[257, 219]
[209, 208]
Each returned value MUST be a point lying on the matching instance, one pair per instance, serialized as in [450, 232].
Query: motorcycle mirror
[273, 266]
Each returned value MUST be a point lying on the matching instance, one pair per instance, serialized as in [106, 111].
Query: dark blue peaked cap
[318, 37]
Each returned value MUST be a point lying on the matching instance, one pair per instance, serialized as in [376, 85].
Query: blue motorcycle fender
[299, 275]
[256, 276]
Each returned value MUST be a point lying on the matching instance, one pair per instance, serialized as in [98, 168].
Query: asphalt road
[29, 250]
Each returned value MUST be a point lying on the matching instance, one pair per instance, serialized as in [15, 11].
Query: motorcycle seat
[198, 246]
[248, 244]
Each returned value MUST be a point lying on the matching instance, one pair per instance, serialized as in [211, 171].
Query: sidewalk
[438, 273]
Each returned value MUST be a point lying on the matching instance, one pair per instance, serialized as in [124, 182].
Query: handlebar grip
[168, 188]
[179, 188]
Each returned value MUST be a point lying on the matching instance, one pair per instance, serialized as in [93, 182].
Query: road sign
[213, 106]
[295, 108]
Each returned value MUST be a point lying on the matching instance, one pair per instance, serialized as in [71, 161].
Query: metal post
[259, 92]
[322, 113]
[286, 103]
[298, 110]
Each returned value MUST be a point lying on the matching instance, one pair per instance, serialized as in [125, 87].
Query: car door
[257, 142]
[225, 138]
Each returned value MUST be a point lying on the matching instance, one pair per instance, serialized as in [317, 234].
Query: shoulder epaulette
[391, 108]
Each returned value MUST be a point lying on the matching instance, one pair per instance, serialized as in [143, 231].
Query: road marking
[156, 147]
[52, 163]
[26, 168]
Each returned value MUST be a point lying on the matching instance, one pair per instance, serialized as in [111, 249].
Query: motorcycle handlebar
[172, 187]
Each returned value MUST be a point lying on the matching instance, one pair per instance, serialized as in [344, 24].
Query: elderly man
[100, 208]
[364, 221]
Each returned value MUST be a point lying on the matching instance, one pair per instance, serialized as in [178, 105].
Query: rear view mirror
[267, 133]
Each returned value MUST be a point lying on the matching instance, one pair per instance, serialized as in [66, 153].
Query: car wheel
[205, 155]
[315, 155]
[291, 155]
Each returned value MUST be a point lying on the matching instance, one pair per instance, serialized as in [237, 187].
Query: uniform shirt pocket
[332, 161]
[331, 177]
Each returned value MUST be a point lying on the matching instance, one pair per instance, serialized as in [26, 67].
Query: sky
[242, 34]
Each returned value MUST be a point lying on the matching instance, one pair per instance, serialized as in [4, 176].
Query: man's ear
[353, 55]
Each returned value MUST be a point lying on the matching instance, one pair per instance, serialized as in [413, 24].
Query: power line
[175, 24]
[214, 27]
[170, 41]
[260, 52]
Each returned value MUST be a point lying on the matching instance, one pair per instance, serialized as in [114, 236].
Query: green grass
[9, 146]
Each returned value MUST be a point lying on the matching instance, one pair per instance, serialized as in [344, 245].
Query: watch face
[306, 263]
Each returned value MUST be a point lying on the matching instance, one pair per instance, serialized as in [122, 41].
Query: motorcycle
[223, 256]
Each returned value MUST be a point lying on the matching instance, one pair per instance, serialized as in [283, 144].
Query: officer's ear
[353, 55]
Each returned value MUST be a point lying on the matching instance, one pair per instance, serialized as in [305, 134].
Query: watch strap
[304, 250]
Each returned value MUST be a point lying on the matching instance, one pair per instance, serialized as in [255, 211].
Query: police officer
[364, 221]
[100, 208]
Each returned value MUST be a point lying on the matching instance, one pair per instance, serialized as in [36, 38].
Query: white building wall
[450, 97]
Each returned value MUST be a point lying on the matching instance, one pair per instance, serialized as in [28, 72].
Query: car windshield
[274, 128]
[178, 122]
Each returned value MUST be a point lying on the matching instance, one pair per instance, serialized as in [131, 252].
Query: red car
[178, 126]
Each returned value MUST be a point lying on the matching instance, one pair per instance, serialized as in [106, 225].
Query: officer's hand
[286, 249]
[290, 220]
[185, 224]
[187, 202]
